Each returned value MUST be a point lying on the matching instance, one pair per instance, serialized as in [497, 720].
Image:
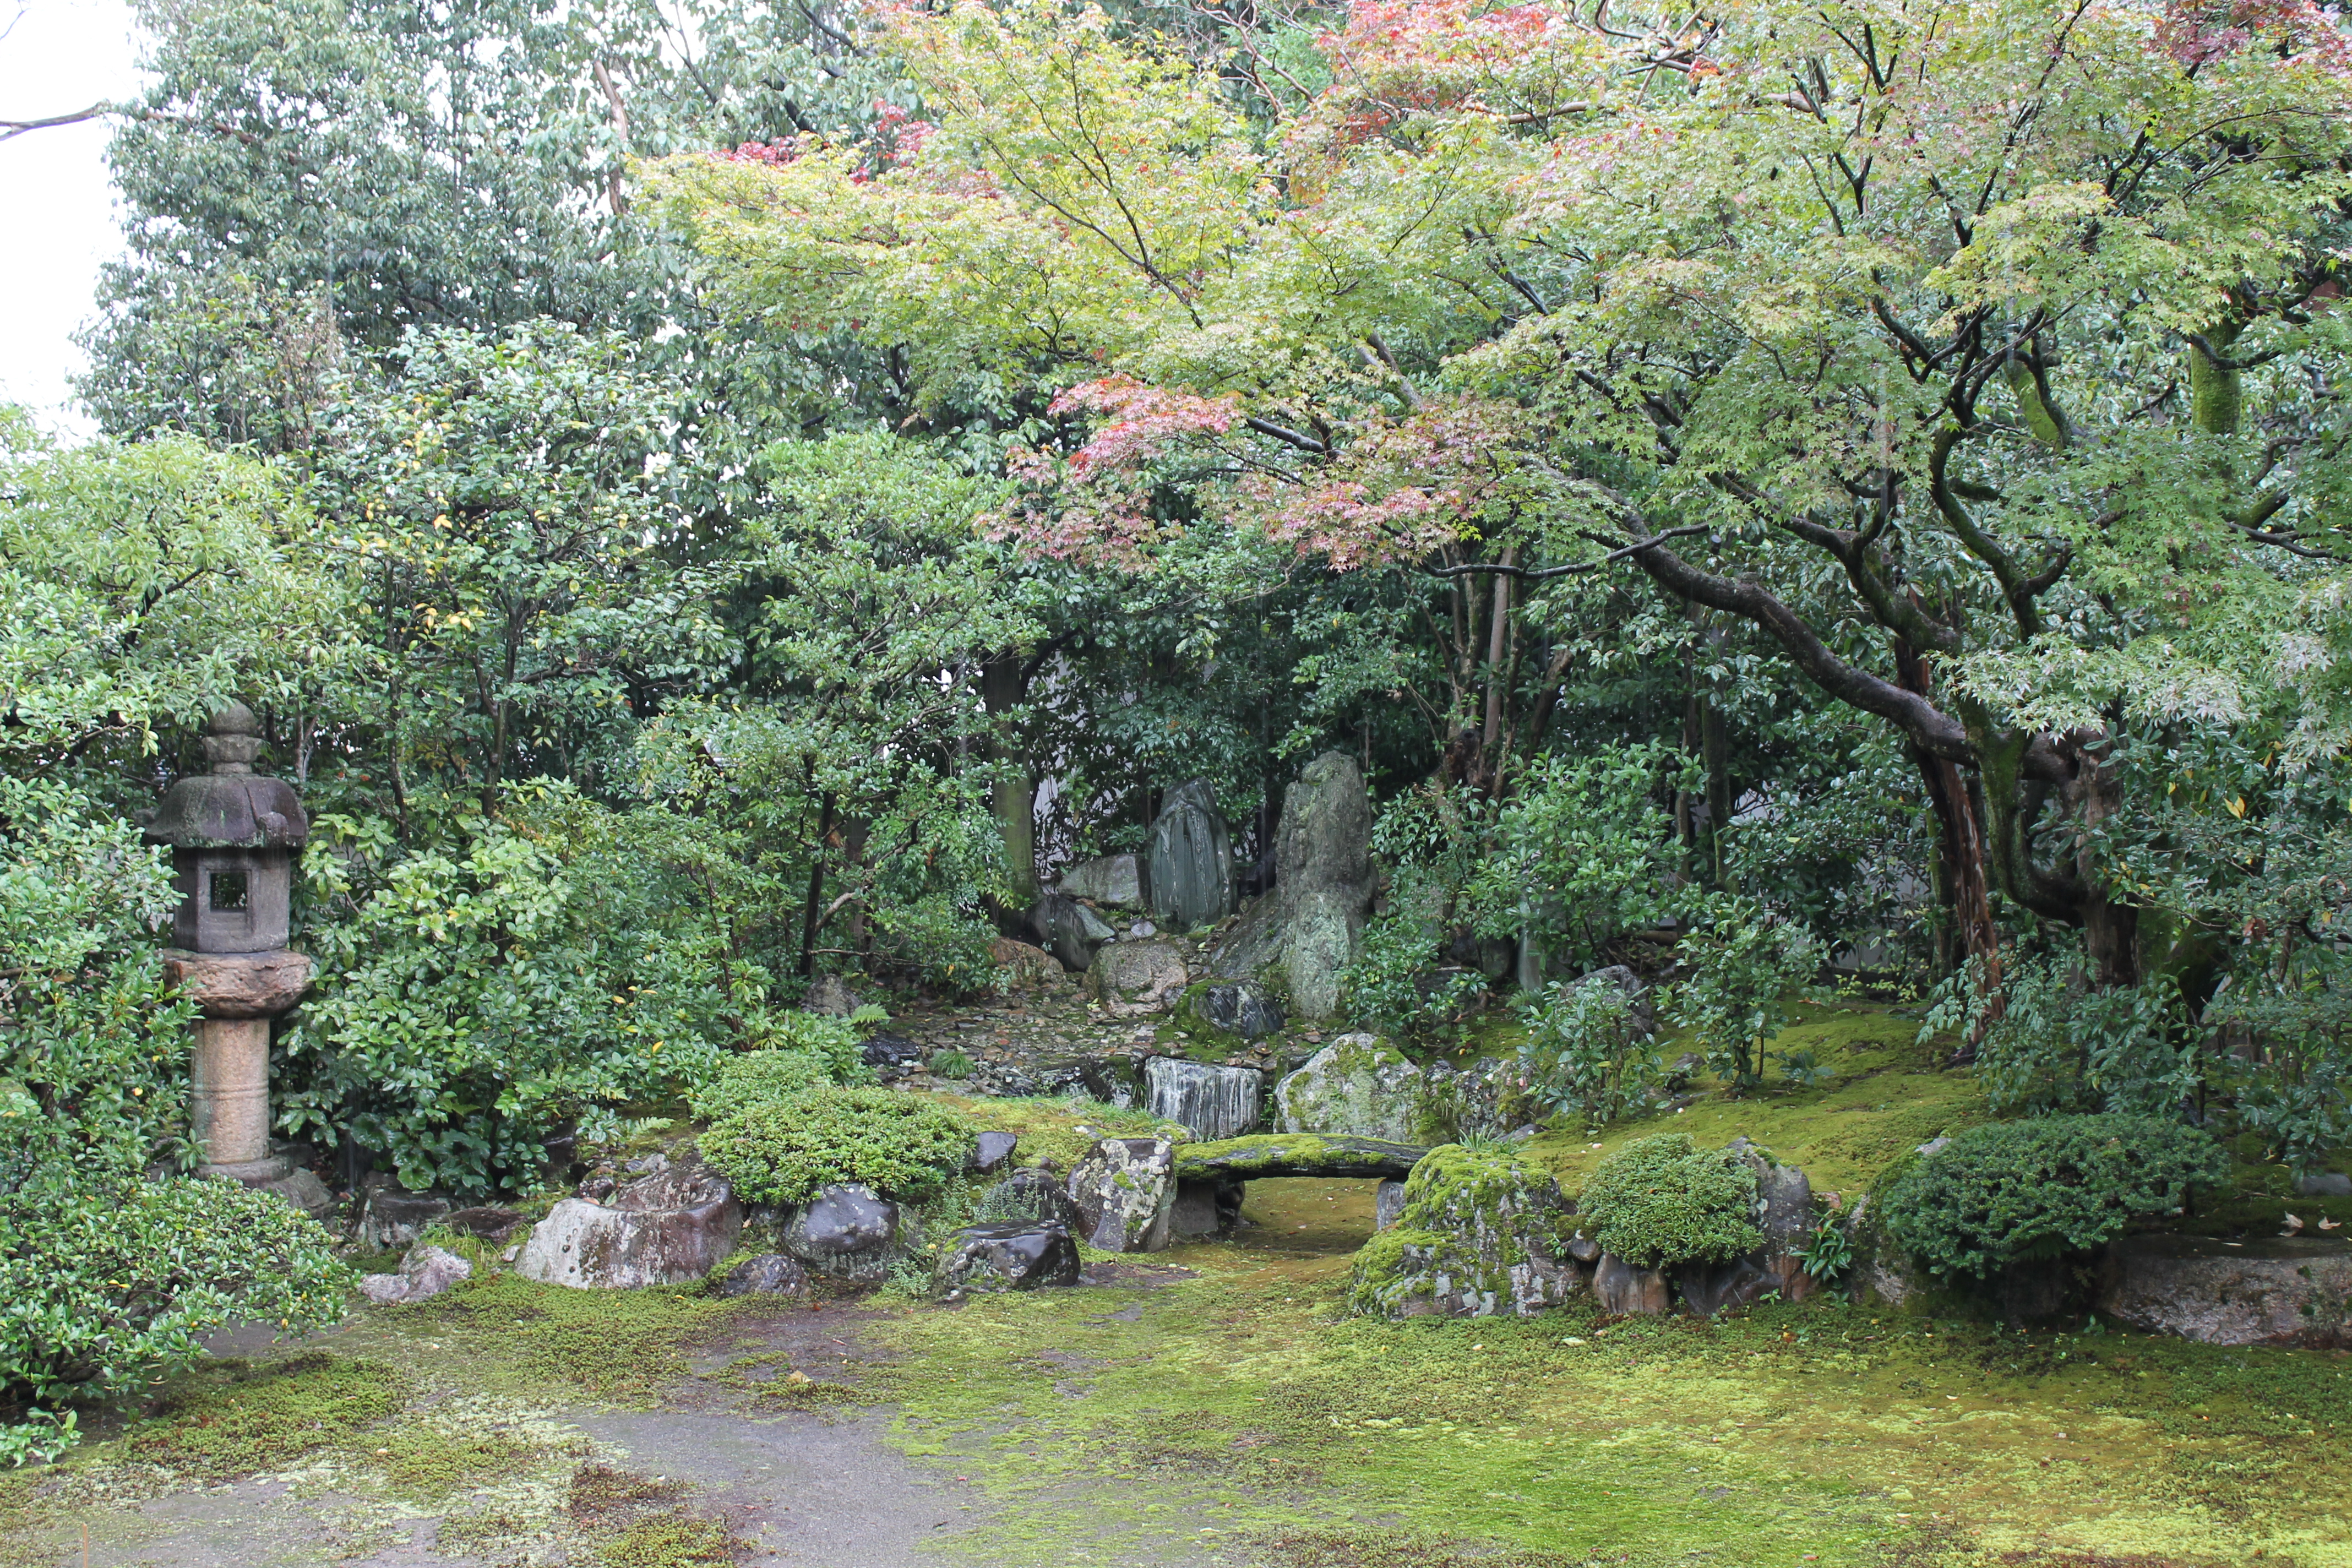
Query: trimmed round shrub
[1662, 1201]
[755, 1076]
[2017, 1191]
[781, 1151]
[106, 1287]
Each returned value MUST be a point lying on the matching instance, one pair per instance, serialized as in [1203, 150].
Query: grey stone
[1072, 933]
[847, 1232]
[1784, 1213]
[1205, 1208]
[1212, 1101]
[991, 1150]
[1622, 1290]
[1357, 1085]
[1388, 1203]
[1115, 1080]
[1032, 1197]
[393, 1218]
[2324, 1185]
[1238, 1008]
[1480, 1233]
[2276, 1290]
[302, 1190]
[668, 1228]
[831, 996]
[1584, 1249]
[1191, 882]
[981, 1258]
[1932, 1147]
[1882, 1273]
[1027, 968]
[489, 1223]
[1124, 1189]
[1310, 922]
[1473, 1100]
[1118, 881]
[1131, 979]
[891, 1055]
[424, 1274]
[769, 1274]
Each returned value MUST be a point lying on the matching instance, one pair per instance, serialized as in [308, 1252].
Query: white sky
[54, 191]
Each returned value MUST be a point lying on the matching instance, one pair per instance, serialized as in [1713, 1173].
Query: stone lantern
[233, 834]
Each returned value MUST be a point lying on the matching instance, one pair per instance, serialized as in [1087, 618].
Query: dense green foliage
[2014, 1192]
[822, 1051]
[781, 1150]
[1662, 1200]
[1585, 1053]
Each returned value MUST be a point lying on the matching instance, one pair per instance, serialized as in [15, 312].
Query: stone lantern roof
[230, 807]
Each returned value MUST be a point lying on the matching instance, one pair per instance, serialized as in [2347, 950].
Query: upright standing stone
[1310, 924]
[1190, 881]
[233, 834]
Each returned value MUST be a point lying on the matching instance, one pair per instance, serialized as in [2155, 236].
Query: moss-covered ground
[1218, 1407]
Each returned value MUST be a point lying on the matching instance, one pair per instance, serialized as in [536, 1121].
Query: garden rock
[1470, 1101]
[1309, 923]
[831, 996]
[1072, 933]
[891, 1055]
[982, 1258]
[991, 1150]
[1032, 1197]
[668, 1228]
[1622, 1290]
[1273, 1154]
[1882, 1272]
[1359, 1085]
[846, 1232]
[424, 1274]
[1124, 1189]
[1027, 968]
[1238, 1008]
[1212, 1101]
[1117, 880]
[1784, 1213]
[1205, 1208]
[1131, 979]
[491, 1224]
[2324, 1185]
[1191, 881]
[2278, 1291]
[1388, 1203]
[1481, 1234]
[769, 1274]
[1643, 1006]
[393, 1218]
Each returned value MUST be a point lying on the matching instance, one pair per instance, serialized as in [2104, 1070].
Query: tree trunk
[814, 902]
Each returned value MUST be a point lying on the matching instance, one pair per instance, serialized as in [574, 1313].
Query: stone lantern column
[233, 834]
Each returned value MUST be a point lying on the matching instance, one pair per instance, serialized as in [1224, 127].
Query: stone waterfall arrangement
[1214, 1102]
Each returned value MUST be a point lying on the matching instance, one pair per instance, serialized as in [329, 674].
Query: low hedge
[782, 1150]
[1662, 1200]
[2017, 1191]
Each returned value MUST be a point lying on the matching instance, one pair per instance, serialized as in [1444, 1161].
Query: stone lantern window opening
[226, 891]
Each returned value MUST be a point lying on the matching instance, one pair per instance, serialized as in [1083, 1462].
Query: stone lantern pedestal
[232, 834]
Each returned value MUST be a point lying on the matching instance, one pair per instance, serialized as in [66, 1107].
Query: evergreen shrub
[2021, 1191]
[1662, 1200]
[780, 1151]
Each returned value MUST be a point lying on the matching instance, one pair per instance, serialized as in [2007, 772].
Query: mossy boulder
[1361, 1086]
[1481, 1233]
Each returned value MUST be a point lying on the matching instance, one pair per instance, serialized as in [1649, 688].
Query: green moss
[1884, 1101]
[673, 1540]
[516, 1334]
[233, 1418]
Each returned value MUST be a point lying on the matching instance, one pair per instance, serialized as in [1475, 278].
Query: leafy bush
[755, 1077]
[1585, 1053]
[1742, 966]
[1662, 1201]
[783, 1151]
[2018, 1191]
[2055, 1043]
[1395, 986]
[103, 1292]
